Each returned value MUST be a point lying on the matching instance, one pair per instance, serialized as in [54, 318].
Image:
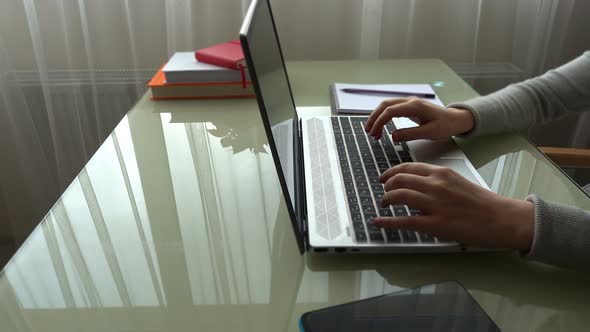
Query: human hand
[435, 122]
[455, 209]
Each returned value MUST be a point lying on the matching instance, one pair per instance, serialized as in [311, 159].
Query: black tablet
[445, 306]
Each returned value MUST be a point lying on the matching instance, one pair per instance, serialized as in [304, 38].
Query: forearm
[541, 99]
[561, 235]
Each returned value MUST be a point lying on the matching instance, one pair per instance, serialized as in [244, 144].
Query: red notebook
[227, 55]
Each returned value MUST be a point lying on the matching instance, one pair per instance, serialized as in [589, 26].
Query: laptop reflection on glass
[328, 167]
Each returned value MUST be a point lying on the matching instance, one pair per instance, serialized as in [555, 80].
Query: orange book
[203, 90]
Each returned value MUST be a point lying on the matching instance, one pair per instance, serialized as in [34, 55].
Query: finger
[408, 197]
[421, 169]
[415, 223]
[425, 131]
[407, 181]
[408, 109]
[382, 106]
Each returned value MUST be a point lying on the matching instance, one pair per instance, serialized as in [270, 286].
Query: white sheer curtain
[70, 69]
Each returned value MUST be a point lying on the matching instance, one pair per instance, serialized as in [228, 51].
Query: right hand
[455, 209]
[434, 122]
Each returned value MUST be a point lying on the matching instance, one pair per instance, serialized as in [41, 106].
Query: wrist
[519, 217]
[463, 120]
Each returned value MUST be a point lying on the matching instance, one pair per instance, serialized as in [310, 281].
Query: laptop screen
[267, 70]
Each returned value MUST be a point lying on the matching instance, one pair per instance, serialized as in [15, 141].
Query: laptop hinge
[301, 183]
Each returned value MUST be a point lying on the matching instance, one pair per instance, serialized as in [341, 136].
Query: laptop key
[368, 160]
[426, 238]
[382, 164]
[354, 158]
[378, 197]
[358, 226]
[376, 236]
[369, 217]
[375, 233]
[360, 236]
[372, 173]
[362, 185]
[373, 181]
[371, 169]
[356, 217]
[415, 212]
[350, 192]
[372, 227]
[409, 236]
[366, 200]
[399, 210]
[365, 193]
[385, 213]
[393, 158]
[377, 188]
[393, 235]
[405, 156]
[378, 153]
[407, 159]
[369, 208]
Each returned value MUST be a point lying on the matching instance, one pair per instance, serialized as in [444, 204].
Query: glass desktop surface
[177, 223]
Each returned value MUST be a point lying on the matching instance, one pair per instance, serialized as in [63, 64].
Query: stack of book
[213, 72]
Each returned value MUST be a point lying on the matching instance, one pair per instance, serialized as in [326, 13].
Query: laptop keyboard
[362, 160]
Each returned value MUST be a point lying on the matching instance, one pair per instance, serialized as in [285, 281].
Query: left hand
[455, 209]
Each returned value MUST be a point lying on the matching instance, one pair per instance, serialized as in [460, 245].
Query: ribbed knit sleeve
[518, 106]
[562, 235]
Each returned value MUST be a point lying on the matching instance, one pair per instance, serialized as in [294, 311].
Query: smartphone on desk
[443, 307]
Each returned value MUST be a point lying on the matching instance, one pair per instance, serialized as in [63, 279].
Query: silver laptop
[328, 167]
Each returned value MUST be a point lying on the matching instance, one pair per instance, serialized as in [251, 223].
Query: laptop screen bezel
[296, 209]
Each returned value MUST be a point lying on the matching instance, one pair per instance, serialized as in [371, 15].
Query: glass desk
[177, 223]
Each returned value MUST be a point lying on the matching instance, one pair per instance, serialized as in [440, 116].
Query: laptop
[328, 167]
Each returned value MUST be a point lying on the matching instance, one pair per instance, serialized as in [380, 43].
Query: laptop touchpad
[458, 165]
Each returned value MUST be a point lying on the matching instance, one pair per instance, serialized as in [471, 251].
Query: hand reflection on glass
[238, 127]
[239, 138]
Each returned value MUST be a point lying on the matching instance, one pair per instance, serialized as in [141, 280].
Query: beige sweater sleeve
[562, 233]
